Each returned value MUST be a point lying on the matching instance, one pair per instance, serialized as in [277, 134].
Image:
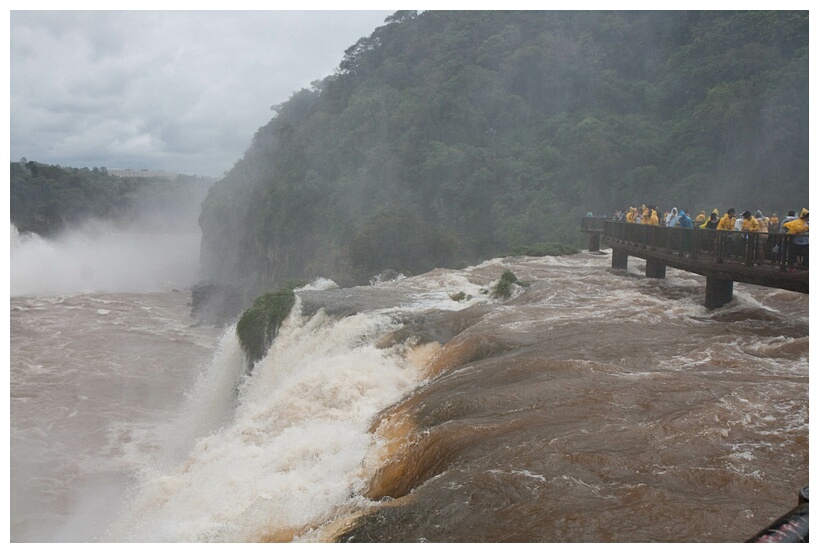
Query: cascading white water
[208, 406]
[301, 427]
[621, 396]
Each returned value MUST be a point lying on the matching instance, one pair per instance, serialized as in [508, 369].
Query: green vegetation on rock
[259, 325]
[503, 289]
[460, 296]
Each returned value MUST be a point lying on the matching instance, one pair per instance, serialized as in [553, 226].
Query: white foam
[300, 428]
[320, 283]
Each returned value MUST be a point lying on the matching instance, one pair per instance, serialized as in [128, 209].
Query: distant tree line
[47, 199]
[445, 138]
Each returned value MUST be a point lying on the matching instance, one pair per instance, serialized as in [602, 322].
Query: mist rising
[99, 257]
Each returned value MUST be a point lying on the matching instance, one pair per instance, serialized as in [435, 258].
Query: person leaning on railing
[751, 224]
[727, 221]
[712, 223]
[773, 223]
[799, 246]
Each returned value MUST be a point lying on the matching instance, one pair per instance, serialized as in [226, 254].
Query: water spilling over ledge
[587, 407]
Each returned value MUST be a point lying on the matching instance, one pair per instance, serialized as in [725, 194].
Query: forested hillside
[445, 138]
[47, 199]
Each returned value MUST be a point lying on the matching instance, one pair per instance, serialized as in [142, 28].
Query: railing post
[719, 246]
[750, 248]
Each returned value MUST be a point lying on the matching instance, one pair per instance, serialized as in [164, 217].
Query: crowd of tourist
[745, 222]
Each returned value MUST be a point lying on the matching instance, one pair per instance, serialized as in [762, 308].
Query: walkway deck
[723, 257]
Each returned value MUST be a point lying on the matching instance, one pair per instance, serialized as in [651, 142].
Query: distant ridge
[142, 173]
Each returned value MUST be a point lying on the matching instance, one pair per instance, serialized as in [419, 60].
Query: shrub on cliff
[259, 325]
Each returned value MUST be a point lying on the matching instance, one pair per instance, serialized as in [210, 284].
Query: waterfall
[300, 426]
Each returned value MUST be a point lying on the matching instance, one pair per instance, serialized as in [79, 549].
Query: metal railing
[721, 246]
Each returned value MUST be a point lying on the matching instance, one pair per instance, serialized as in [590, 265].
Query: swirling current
[594, 405]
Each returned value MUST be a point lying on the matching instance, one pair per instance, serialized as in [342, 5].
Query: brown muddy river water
[594, 405]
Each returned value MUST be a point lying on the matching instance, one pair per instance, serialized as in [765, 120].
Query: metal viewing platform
[723, 257]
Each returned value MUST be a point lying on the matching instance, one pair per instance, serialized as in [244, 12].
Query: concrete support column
[594, 242]
[619, 259]
[718, 292]
[655, 269]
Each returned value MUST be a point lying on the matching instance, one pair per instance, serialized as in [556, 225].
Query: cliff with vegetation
[48, 199]
[445, 138]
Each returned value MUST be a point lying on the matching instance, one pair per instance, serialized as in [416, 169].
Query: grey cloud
[179, 91]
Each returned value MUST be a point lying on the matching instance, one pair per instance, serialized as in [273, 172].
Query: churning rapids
[594, 405]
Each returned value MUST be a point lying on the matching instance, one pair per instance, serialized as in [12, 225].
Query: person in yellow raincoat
[645, 213]
[700, 218]
[800, 225]
[749, 222]
[713, 217]
[773, 223]
[727, 221]
[650, 217]
[799, 247]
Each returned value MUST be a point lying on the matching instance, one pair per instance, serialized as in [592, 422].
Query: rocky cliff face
[447, 138]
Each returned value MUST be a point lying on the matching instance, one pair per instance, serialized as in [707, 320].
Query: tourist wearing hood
[700, 218]
[799, 247]
[685, 220]
[673, 218]
[791, 216]
[645, 214]
[727, 221]
[763, 221]
[651, 217]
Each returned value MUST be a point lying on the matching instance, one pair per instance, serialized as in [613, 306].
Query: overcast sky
[178, 91]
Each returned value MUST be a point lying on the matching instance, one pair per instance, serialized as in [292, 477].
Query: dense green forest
[445, 138]
[48, 199]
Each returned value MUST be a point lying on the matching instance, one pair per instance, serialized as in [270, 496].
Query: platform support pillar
[718, 292]
[655, 269]
[594, 242]
[619, 259]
